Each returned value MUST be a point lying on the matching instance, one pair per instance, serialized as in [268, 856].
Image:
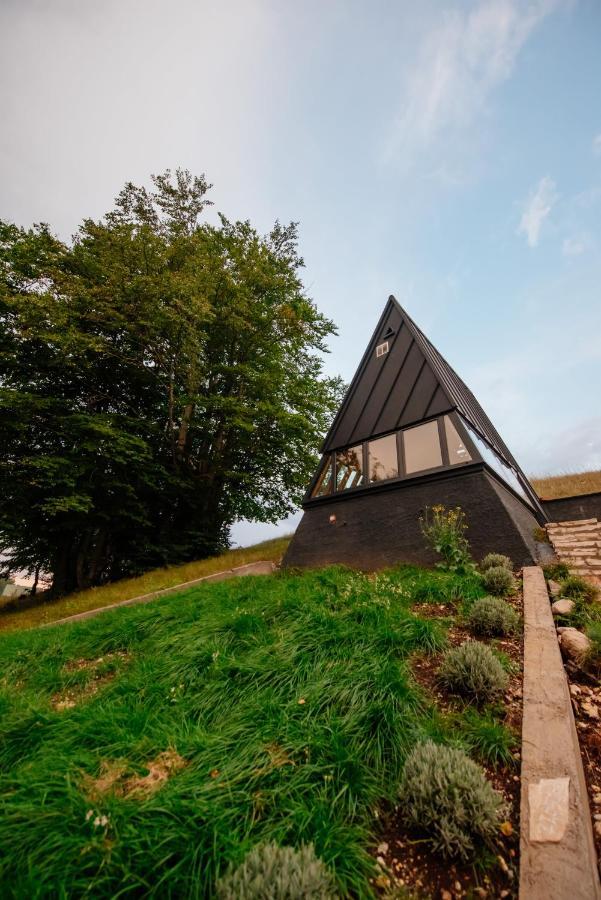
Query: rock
[591, 711]
[598, 829]
[446, 895]
[382, 848]
[575, 689]
[562, 607]
[574, 645]
[554, 588]
[503, 864]
[561, 629]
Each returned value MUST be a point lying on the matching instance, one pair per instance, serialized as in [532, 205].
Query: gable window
[422, 448]
[458, 452]
[324, 484]
[495, 462]
[382, 458]
[349, 468]
[381, 349]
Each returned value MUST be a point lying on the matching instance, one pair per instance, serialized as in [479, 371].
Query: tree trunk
[183, 430]
[36, 580]
[64, 579]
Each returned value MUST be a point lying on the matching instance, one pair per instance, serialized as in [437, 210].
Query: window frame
[353, 487]
[391, 434]
[462, 430]
[325, 463]
[435, 419]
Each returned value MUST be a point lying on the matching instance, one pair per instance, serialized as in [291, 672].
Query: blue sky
[446, 152]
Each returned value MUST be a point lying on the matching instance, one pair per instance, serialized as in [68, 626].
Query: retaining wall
[567, 509]
[557, 851]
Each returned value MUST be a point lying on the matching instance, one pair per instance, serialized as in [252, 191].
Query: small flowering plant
[444, 530]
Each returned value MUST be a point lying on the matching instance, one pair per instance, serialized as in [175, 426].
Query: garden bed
[404, 856]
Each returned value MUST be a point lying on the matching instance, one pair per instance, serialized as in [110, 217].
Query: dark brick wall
[520, 516]
[379, 528]
[585, 506]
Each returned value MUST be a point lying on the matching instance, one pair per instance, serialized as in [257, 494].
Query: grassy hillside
[550, 487]
[11, 617]
[144, 750]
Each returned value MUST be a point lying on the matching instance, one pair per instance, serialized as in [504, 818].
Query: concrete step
[585, 572]
[584, 541]
[575, 554]
[573, 532]
[576, 523]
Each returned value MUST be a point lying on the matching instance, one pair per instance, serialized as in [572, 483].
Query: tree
[160, 377]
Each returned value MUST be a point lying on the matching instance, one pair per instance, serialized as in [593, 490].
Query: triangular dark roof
[408, 384]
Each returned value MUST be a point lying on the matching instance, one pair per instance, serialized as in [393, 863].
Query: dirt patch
[116, 778]
[93, 665]
[434, 610]
[404, 857]
[101, 672]
[278, 757]
[405, 861]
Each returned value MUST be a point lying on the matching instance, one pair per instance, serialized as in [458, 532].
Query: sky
[448, 153]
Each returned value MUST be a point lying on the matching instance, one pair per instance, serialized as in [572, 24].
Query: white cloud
[538, 206]
[574, 449]
[597, 144]
[575, 245]
[459, 63]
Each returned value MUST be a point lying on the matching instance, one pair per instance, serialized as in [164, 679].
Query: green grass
[289, 697]
[488, 739]
[155, 580]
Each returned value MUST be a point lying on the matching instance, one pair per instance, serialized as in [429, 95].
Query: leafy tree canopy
[160, 377]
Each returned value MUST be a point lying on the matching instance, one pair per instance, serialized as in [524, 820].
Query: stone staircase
[578, 545]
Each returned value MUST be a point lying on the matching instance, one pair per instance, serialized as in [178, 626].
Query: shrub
[445, 793]
[473, 671]
[499, 580]
[492, 617]
[444, 530]
[270, 872]
[540, 535]
[556, 571]
[577, 588]
[493, 560]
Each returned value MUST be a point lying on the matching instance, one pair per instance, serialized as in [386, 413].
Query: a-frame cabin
[409, 435]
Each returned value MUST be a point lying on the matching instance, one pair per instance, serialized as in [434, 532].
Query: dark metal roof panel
[457, 391]
[409, 383]
[398, 386]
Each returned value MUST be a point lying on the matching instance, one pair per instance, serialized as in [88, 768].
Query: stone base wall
[380, 528]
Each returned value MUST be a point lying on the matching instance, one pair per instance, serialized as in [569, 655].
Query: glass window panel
[422, 448]
[458, 452]
[349, 468]
[505, 472]
[382, 456]
[324, 482]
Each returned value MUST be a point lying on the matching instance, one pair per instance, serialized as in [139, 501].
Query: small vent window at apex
[381, 349]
